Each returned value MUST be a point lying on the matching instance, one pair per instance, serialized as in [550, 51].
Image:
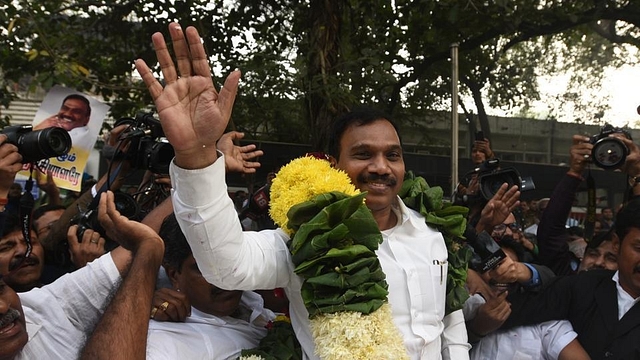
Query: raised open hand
[237, 158]
[503, 202]
[192, 113]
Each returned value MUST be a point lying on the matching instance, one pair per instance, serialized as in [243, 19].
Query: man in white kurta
[60, 316]
[206, 336]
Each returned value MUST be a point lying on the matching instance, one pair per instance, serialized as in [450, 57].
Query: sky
[621, 85]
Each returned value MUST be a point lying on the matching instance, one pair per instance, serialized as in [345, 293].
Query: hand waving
[237, 157]
[499, 207]
[192, 113]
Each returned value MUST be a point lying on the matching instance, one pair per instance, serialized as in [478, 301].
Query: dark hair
[600, 237]
[362, 115]
[13, 223]
[43, 209]
[176, 247]
[628, 217]
[81, 98]
[510, 243]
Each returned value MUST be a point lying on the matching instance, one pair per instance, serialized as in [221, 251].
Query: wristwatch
[634, 180]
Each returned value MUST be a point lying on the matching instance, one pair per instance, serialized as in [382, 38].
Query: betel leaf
[451, 221]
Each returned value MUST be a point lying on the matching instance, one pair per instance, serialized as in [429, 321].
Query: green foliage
[333, 250]
[306, 61]
[451, 221]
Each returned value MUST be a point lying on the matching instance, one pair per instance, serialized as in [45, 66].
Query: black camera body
[609, 152]
[149, 147]
[491, 177]
[39, 144]
[88, 219]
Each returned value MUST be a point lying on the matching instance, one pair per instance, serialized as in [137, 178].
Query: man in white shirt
[221, 322]
[367, 147]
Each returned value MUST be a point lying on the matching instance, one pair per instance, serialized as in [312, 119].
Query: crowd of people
[189, 280]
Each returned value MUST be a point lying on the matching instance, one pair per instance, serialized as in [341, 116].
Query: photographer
[552, 235]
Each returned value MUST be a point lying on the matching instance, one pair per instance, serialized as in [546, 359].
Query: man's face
[509, 227]
[20, 275]
[605, 256]
[372, 157]
[73, 113]
[13, 329]
[202, 295]
[477, 156]
[629, 262]
[43, 223]
[607, 214]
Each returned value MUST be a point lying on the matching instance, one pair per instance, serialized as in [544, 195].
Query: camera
[39, 144]
[149, 148]
[88, 219]
[491, 177]
[609, 152]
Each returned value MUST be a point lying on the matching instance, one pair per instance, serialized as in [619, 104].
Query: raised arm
[123, 328]
[552, 237]
[194, 117]
[192, 113]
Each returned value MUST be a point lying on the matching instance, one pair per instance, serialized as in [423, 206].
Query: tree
[304, 61]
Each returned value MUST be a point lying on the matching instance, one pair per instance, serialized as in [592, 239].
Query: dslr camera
[39, 144]
[491, 177]
[149, 148]
[88, 219]
[609, 152]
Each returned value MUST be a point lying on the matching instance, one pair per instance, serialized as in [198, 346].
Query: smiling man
[74, 115]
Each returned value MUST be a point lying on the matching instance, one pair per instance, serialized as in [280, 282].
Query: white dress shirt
[206, 336]
[542, 341]
[60, 316]
[410, 256]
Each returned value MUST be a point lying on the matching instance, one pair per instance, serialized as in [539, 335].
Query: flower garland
[334, 238]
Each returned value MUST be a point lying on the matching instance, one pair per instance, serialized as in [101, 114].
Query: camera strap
[590, 221]
[26, 208]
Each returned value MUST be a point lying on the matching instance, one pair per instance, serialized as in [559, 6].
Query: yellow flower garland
[302, 180]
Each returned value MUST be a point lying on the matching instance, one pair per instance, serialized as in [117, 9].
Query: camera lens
[46, 143]
[609, 153]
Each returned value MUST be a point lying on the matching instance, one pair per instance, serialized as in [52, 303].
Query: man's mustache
[9, 317]
[380, 179]
[22, 261]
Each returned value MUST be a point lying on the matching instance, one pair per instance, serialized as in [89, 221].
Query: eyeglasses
[503, 227]
[46, 227]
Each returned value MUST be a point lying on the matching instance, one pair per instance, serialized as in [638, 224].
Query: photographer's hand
[580, 153]
[485, 147]
[192, 113]
[10, 164]
[237, 157]
[130, 234]
[90, 248]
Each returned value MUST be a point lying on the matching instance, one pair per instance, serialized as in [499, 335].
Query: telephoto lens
[39, 144]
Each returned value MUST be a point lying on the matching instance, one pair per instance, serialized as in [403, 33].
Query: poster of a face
[81, 116]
